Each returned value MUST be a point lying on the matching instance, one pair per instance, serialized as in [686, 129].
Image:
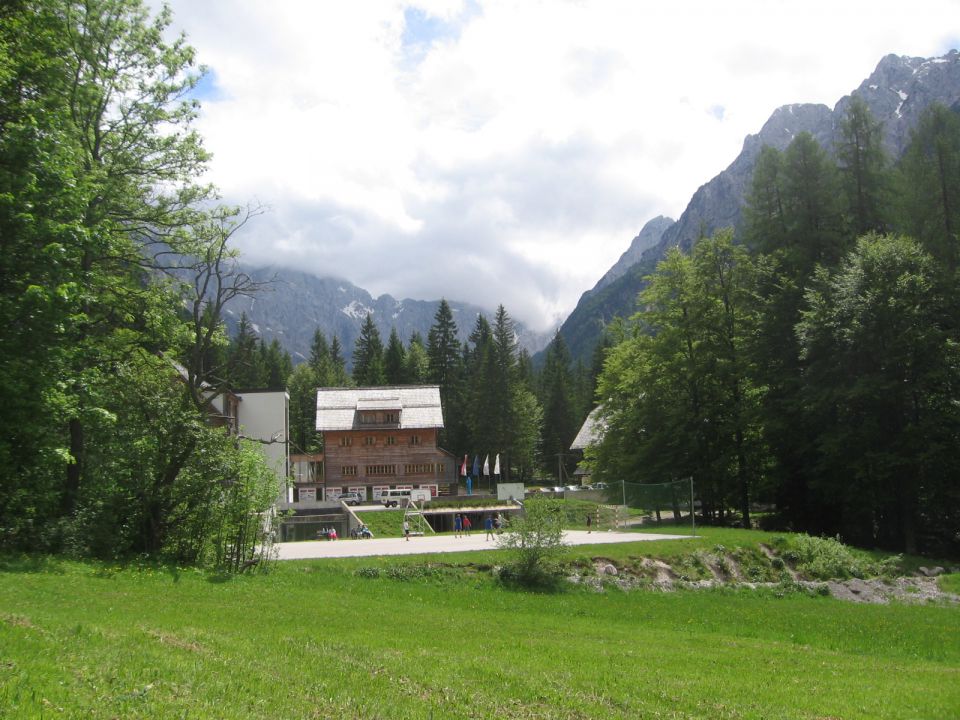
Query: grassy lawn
[951, 583]
[395, 638]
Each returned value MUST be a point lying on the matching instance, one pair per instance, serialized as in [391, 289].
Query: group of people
[462, 525]
[493, 524]
[361, 532]
[327, 533]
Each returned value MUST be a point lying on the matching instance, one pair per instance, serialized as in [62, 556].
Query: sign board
[510, 491]
[420, 495]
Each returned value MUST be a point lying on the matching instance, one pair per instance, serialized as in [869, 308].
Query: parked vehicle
[394, 498]
[351, 498]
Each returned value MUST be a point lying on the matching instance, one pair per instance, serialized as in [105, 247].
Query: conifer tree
[368, 367]
[416, 364]
[445, 363]
[930, 185]
[395, 360]
[338, 364]
[244, 360]
[443, 348]
[862, 164]
[556, 397]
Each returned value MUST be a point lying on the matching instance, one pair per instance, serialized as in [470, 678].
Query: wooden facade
[383, 438]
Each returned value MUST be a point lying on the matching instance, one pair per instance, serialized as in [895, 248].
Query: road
[440, 544]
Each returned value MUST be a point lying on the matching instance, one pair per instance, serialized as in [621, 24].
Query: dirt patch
[174, 641]
[650, 573]
[914, 590]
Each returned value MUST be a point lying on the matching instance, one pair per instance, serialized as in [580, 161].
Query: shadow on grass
[31, 564]
[537, 581]
[219, 577]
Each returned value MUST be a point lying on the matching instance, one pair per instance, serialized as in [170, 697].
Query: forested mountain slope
[896, 93]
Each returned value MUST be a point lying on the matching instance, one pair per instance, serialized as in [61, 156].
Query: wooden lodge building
[379, 438]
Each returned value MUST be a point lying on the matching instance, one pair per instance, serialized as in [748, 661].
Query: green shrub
[406, 573]
[535, 542]
[692, 567]
[828, 558]
[950, 583]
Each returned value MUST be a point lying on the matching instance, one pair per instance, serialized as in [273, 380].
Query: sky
[505, 152]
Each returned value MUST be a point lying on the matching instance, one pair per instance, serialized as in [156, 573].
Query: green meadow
[413, 638]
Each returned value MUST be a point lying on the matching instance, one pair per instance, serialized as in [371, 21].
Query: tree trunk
[71, 490]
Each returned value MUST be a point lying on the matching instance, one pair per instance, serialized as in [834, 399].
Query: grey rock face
[897, 92]
[296, 304]
[649, 237]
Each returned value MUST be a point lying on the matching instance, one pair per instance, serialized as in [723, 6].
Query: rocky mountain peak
[647, 238]
[896, 92]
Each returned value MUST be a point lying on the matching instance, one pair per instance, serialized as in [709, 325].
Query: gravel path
[440, 544]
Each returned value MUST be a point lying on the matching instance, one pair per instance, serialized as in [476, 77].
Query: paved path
[440, 544]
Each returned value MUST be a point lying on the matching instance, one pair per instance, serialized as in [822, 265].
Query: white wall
[265, 416]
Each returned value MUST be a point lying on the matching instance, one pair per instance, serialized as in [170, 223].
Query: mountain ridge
[897, 92]
[296, 303]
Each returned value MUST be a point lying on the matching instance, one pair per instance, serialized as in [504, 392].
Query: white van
[394, 498]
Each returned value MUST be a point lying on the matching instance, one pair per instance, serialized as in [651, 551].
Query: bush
[828, 558]
[535, 542]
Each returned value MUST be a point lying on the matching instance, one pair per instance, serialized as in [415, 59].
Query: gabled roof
[592, 430]
[391, 402]
[419, 406]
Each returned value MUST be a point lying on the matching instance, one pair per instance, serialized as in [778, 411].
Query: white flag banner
[496, 465]
[486, 465]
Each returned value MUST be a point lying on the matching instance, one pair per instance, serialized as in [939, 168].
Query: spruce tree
[930, 185]
[445, 363]
[443, 348]
[340, 377]
[556, 397]
[862, 163]
[368, 367]
[416, 364]
[395, 360]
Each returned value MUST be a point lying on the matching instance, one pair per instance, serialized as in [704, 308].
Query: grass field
[397, 638]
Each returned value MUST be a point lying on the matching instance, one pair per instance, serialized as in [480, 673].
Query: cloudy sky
[506, 152]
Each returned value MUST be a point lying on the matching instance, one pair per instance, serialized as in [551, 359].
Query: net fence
[656, 504]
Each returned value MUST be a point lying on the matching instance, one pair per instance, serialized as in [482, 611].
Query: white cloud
[506, 151]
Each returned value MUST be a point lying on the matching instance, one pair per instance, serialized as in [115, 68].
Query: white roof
[592, 430]
[378, 403]
[419, 406]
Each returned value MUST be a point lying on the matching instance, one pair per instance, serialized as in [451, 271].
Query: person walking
[589, 523]
[488, 526]
[457, 525]
[406, 529]
[467, 525]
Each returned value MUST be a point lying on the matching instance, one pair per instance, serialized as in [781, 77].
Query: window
[390, 418]
[348, 470]
[369, 440]
[372, 470]
[391, 440]
[414, 439]
[418, 469]
[346, 441]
